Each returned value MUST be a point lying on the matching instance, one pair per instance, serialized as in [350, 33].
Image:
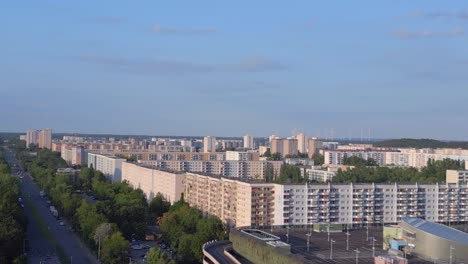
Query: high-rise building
[301, 143]
[32, 137]
[209, 144]
[314, 145]
[248, 142]
[45, 138]
[284, 146]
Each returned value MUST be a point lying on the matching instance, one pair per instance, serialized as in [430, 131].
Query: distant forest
[420, 143]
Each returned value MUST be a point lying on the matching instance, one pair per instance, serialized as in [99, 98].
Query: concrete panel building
[302, 143]
[45, 139]
[284, 146]
[248, 142]
[110, 166]
[209, 144]
[73, 155]
[313, 146]
[153, 180]
[457, 176]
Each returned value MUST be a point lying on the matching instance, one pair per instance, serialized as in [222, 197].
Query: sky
[388, 69]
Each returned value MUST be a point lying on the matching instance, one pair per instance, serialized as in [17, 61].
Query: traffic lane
[66, 239]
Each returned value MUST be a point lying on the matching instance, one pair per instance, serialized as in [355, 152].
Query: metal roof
[437, 230]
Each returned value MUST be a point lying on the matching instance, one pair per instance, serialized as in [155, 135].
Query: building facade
[153, 180]
[45, 139]
[284, 146]
[110, 166]
[209, 144]
[302, 143]
[248, 142]
[73, 155]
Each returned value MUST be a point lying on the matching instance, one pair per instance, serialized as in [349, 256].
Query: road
[40, 249]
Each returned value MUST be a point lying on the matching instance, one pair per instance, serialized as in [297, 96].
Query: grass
[46, 233]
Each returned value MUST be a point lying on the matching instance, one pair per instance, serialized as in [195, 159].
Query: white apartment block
[336, 157]
[319, 174]
[32, 136]
[110, 166]
[357, 204]
[209, 144]
[234, 169]
[302, 143]
[154, 180]
[248, 142]
[242, 155]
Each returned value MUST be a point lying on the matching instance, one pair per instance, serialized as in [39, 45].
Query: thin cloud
[181, 31]
[461, 15]
[147, 66]
[406, 34]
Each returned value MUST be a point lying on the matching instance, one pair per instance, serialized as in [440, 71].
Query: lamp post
[373, 246]
[367, 232]
[331, 248]
[287, 234]
[451, 257]
[347, 240]
[357, 255]
[308, 241]
[328, 231]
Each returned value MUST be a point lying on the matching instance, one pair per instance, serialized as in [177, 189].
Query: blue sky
[227, 68]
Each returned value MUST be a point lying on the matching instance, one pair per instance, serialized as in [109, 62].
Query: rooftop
[437, 230]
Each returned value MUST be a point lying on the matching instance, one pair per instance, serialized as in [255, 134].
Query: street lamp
[373, 246]
[287, 234]
[357, 255]
[367, 232]
[308, 241]
[451, 257]
[347, 240]
[328, 231]
[331, 248]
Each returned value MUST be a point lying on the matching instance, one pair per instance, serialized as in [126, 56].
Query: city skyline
[229, 69]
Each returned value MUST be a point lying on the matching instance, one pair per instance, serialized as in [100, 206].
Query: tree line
[420, 143]
[119, 213]
[433, 172]
[13, 222]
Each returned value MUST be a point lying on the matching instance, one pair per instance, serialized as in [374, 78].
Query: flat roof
[442, 231]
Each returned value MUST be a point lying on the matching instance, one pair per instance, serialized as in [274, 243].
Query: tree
[290, 174]
[156, 256]
[267, 153]
[104, 231]
[318, 159]
[275, 156]
[115, 249]
[89, 219]
[159, 205]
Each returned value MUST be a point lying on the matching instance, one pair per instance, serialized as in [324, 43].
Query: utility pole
[373, 246]
[287, 234]
[357, 255]
[308, 241]
[331, 248]
[347, 240]
[328, 231]
[367, 232]
[451, 257]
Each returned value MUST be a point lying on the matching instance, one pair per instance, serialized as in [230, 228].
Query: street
[42, 244]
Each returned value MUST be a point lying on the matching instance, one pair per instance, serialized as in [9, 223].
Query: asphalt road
[40, 250]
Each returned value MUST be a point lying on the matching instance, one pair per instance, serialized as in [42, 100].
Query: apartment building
[146, 155]
[235, 202]
[209, 144]
[32, 137]
[313, 146]
[235, 169]
[418, 158]
[110, 166]
[242, 155]
[248, 142]
[73, 155]
[284, 146]
[153, 180]
[336, 157]
[320, 175]
[45, 139]
[302, 143]
[457, 176]
[357, 204]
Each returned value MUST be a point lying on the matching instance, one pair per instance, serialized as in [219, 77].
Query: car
[163, 246]
[61, 223]
[137, 247]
